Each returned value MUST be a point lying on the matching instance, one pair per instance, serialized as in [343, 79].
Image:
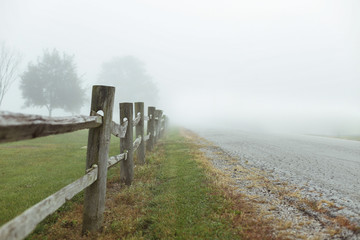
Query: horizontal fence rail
[22, 225]
[137, 119]
[14, 127]
[119, 130]
[147, 137]
[136, 143]
[116, 159]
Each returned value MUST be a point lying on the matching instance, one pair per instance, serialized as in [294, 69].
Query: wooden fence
[14, 127]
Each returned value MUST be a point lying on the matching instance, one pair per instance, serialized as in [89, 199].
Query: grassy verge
[184, 203]
[177, 195]
[34, 169]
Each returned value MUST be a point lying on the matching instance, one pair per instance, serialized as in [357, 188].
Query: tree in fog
[129, 76]
[53, 83]
[9, 61]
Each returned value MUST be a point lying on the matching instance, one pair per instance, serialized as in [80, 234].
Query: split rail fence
[14, 127]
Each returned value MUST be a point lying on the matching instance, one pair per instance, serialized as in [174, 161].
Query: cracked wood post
[150, 128]
[98, 153]
[139, 131]
[126, 144]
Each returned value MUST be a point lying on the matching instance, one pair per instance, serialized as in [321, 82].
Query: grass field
[177, 195]
[31, 170]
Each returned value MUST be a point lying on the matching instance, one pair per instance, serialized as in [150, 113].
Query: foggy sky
[267, 65]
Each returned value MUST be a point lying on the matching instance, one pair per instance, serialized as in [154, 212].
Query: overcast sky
[253, 65]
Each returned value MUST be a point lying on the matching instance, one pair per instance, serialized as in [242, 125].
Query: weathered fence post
[126, 144]
[163, 122]
[97, 153]
[139, 131]
[159, 116]
[156, 136]
[166, 123]
[150, 128]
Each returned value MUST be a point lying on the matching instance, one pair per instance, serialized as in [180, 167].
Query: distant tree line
[129, 75]
[9, 62]
[53, 82]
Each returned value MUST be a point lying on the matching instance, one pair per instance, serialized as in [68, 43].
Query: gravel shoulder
[298, 206]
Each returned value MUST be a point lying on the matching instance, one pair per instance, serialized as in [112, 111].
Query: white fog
[287, 66]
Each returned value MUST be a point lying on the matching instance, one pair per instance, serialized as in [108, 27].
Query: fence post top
[126, 103]
[103, 86]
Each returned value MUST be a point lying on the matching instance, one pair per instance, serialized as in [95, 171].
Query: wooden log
[139, 131]
[98, 153]
[123, 128]
[166, 124]
[115, 159]
[163, 125]
[119, 130]
[25, 223]
[138, 118]
[115, 129]
[147, 137]
[150, 128]
[137, 143]
[15, 126]
[160, 124]
[158, 114]
[156, 126]
[126, 145]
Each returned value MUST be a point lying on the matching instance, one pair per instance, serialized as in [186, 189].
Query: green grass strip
[184, 203]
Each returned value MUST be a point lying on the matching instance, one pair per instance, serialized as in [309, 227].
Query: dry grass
[249, 223]
[248, 181]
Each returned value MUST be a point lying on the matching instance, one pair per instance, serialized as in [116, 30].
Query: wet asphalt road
[323, 168]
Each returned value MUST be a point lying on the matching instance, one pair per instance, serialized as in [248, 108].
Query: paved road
[325, 168]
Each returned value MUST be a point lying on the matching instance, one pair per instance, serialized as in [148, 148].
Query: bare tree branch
[9, 61]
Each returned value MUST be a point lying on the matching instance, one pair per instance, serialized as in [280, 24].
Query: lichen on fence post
[98, 153]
